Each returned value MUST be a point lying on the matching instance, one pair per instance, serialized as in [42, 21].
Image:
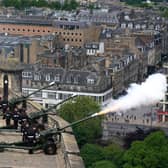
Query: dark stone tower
[10, 78]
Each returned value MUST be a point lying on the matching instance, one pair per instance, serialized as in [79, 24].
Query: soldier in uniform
[15, 117]
[0, 102]
[4, 106]
[24, 128]
[23, 117]
[31, 135]
[8, 117]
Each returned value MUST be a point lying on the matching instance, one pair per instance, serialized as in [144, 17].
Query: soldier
[0, 102]
[15, 117]
[23, 117]
[24, 128]
[4, 106]
[7, 117]
[31, 135]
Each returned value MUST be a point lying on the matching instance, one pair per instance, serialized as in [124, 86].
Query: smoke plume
[149, 92]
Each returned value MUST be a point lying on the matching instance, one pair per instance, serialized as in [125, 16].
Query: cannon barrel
[20, 99]
[60, 130]
[43, 112]
[76, 122]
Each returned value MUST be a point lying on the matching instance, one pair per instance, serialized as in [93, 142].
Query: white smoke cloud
[149, 92]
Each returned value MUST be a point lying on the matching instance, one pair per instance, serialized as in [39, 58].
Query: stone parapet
[68, 144]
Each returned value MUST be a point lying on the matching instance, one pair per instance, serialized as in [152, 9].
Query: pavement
[18, 158]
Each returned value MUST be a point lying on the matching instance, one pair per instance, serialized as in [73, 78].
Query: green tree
[150, 153]
[73, 4]
[114, 152]
[88, 131]
[55, 5]
[103, 164]
[91, 153]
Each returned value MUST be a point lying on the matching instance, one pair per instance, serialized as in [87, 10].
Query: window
[47, 77]
[25, 92]
[57, 77]
[3, 28]
[18, 29]
[38, 94]
[26, 74]
[90, 81]
[27, 82]
[37, 77]
[77, 79]
[51, 95]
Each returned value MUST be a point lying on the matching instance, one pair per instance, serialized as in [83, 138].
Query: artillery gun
[22, 99]
[12, 103]
[46, 140]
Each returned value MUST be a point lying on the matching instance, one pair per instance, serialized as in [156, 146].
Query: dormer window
[47, 77]
[26, 74]
[77, 79]
[91, 81]
[123, 25]
[70, 79]
[37, 77]
[57, 78]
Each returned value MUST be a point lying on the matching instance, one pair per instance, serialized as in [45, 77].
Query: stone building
[19, 49]
[124, 71]
[71, 82]
[74, 33]
[68, 58]
[163, 111]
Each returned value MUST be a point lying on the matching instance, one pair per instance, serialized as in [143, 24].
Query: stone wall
[68, 144]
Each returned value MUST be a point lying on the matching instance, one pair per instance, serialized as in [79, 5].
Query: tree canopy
[76, 109]
[95, 155]
[22, 4]
[150, 153]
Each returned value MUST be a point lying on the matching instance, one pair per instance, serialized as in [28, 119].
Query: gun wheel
[1, 149]
[50, 148]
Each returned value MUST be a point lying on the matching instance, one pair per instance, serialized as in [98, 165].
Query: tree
[74, 4]
[150, 153]
[91, 153]
[88, 131]
[55, 5]
[114, 152]
[103, 164]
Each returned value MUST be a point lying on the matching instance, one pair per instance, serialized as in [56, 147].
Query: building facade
[68, 83]
[74, 33]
